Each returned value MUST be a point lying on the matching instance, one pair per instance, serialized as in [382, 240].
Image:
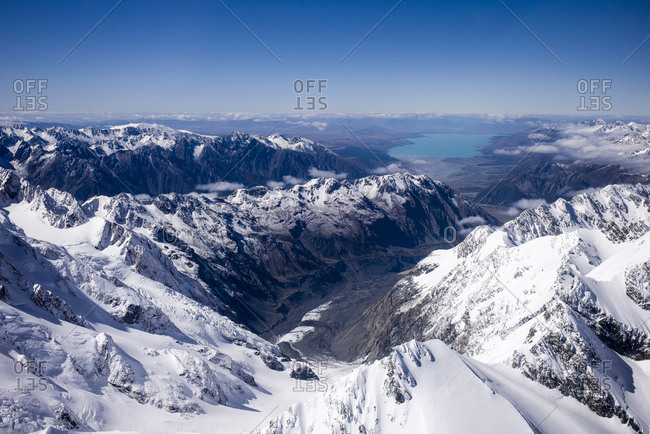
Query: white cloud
[544, 149]
[573, 142]
[318, 125]
[219, 186]
[292, 180]
[571, 193]
[626, 144]
[529, 203]
[317, 173]
[393, 167]
[517, 207]
[286, 180]
[471, 220]
[507, 151]
[275, 184]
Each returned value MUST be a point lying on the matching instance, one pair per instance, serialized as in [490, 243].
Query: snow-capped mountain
[628, 138]
[624, 143]
[126, 300]
[560, 294]
[429, 388]
[183, 311]
[99, 329]
[153, 159]
[565, 159]
[260, 249]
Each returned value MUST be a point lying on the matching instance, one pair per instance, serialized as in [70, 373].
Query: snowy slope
[98, 341]
[429, 388]
[115, 311]
[559, 293]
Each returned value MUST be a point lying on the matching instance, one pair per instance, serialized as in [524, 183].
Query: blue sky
[442, 56]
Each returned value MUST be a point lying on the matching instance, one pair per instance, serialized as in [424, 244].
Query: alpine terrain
[556, 297]
[156, 280]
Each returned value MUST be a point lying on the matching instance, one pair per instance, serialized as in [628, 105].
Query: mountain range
[114, 292]
[154, 159]
[155, 280]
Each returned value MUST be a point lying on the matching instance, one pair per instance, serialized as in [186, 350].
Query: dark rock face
[53, 304]
[301, 371]
[637, 284]
[272, 362]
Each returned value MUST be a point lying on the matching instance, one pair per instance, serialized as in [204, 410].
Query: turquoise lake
[442, 145]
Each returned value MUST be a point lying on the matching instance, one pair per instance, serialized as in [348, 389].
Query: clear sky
[425, 56]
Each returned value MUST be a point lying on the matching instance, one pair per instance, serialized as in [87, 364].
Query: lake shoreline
[443, 145]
